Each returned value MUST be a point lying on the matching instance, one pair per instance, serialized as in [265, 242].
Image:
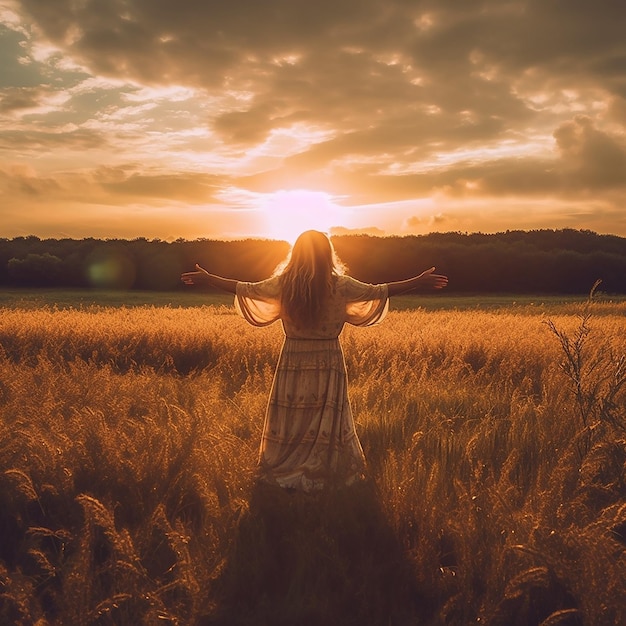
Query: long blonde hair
[308, 277]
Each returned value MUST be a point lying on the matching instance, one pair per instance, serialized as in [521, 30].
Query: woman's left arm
[425, 280]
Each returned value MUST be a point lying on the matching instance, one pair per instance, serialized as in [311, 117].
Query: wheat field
[496, 448]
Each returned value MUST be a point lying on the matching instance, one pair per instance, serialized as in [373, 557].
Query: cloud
[617, 110]
[421, 223]
[374, 231]
[19, 98]
[18, 182]
[248, 127]
[112, 202]
[110, 186]
[35, 141]
[388, 76]
[372, 100]
[591, 158]
[344, 60]
[190, 188]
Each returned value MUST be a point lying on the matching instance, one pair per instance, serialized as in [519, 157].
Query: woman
[309, 440]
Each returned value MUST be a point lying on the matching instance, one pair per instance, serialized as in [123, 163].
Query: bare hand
[194, 278]
[428, 280]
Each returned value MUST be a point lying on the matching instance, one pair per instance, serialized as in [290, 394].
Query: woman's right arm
[425, 280]
[202, 277]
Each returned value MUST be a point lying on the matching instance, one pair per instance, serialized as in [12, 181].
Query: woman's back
[349, 301]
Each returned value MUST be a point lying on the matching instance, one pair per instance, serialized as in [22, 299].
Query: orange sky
[204, 118]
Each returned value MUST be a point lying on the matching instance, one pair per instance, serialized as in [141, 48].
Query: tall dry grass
[128, 439]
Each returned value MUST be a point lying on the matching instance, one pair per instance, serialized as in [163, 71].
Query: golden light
[287, 213]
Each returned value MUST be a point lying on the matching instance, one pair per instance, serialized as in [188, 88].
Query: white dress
[309, 439]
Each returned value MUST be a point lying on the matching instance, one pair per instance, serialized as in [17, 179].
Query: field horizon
[37, 297]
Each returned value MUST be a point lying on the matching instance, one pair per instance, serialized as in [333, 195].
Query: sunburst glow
[287, 213]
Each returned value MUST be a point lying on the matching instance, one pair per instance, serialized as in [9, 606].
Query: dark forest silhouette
[564, 261]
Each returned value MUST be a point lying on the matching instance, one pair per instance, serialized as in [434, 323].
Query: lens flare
[110, 269]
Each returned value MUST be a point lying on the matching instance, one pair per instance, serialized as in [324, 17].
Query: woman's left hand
[193, 278]
[429, 280]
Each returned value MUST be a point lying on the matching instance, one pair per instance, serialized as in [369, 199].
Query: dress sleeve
[259, 303]
[366, 304]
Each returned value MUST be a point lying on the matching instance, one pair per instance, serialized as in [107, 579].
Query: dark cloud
[379, 65]
[15, 72]
[247, 127]
[36, 141]
[18, 98]
[617, 110]
[590, 158]
[243, 44]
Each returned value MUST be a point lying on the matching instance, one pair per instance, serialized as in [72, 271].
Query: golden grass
[128, 439]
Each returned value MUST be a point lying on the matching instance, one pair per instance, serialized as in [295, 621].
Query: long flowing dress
[309, 439]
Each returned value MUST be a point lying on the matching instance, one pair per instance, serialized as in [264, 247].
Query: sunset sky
[227, 118]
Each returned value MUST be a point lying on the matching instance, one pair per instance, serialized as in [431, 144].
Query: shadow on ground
[307, 560]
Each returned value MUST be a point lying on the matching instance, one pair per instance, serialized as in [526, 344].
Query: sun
[287, 213]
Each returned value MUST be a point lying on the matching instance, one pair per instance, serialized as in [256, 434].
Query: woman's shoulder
[353, 289]
[347, 281]
[346, 284]
[343, 279]
[269, 287]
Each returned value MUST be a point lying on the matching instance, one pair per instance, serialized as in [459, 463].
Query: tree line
[564, 261]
